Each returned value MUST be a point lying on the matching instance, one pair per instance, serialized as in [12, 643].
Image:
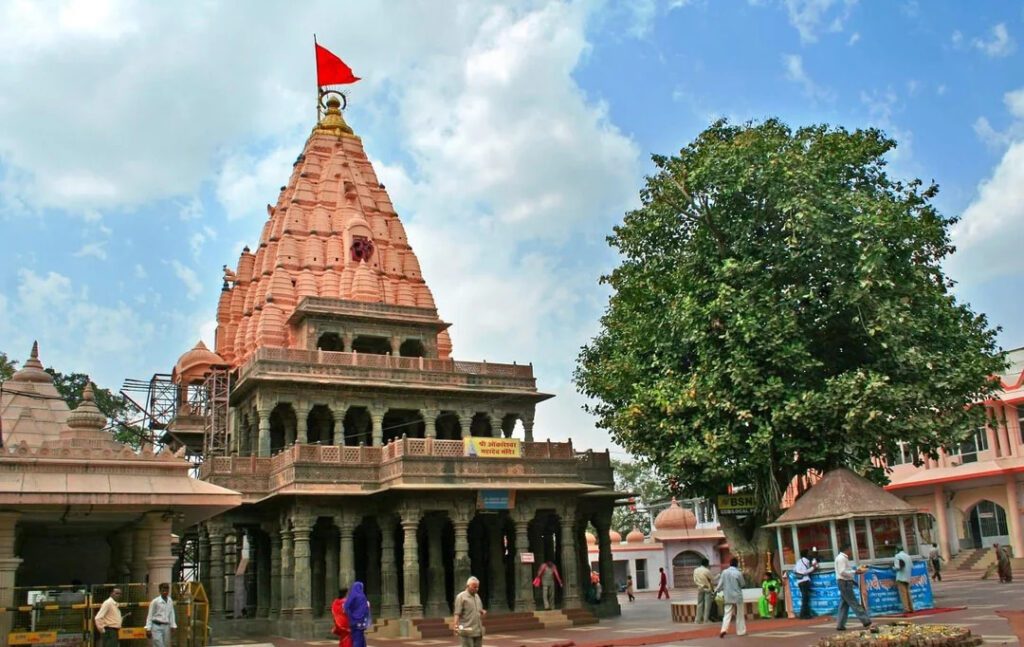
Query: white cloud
[1014, 102]
[854, 38]
[813, 17]
[957, 39]
[75, 332]
[188, 276]
[97, 250]
[999, 45]
[199, 238]
[140, 272]
[794, 65]
[940, 89]
[246, 183]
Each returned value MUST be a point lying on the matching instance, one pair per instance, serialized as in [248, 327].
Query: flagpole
[319, 115]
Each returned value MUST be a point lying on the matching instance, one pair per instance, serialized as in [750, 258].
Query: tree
[7, 367]
[647, 487]
[112, 405]
[780, 307]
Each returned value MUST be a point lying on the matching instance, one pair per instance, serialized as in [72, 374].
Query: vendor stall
[844, 507]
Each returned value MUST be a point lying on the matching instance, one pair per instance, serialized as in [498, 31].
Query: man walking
[469, 615]
[160, 620]
[845, 574]
[731, 585]
[935, 557]
[662, 583]
[705, 590]
[108, 619]
[804, 568]
[903, 566]
[549, 575]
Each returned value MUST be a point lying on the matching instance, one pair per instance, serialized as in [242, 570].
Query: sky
[141, 141]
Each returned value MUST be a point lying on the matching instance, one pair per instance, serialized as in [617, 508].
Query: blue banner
[880, 581]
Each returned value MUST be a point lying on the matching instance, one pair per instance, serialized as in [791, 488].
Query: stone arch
[412, 348]
[447, 426]
[357, 427]
[683, 565]
[987, 524]
[330, 341]
[282, 426]
[480, 425]
[402, 422]
[509, 422]
[371, 344]
[320, 425]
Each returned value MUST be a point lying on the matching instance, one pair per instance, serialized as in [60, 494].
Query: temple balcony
[296, 365]
[408, 464]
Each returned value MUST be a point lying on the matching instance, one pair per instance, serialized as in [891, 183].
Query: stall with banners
[844, 507]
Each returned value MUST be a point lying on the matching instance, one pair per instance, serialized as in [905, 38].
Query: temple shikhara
[340, 439]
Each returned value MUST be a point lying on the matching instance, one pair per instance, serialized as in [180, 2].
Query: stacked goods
[905, 634]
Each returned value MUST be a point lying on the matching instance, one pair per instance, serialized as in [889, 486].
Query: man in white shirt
[731, 584]
[805, 566]
[160, 620]
[904, 567]
[848, 598]
[108, 619]
[705, 590]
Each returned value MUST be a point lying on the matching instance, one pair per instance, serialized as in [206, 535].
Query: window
[641, 574]
[903, 455]
[976, 443]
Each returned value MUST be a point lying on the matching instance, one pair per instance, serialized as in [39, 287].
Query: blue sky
[139, 144]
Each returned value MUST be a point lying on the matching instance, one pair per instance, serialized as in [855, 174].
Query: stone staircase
[967, 560]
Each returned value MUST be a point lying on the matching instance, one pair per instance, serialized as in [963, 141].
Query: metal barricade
[55, 615]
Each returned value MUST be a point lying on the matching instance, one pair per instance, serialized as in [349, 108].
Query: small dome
[87, 416]
[196, 363]
[591, 539]
[675, 517]
[32, 371]
[635, 536]
[614, 536]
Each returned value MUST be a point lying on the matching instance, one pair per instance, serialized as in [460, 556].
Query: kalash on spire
[333, 405]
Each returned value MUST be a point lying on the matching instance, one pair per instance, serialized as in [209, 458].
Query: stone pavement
[646, 622]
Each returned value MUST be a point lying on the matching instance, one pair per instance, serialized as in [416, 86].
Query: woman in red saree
[341, 628]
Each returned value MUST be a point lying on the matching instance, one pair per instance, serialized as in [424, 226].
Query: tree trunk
[749, 542]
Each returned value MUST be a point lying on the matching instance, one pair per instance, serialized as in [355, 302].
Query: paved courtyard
[646, 622]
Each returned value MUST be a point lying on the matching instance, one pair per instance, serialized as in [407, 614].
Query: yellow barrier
[32, 638]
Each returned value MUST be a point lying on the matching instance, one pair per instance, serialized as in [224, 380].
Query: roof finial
[33, 357]
[332, 121]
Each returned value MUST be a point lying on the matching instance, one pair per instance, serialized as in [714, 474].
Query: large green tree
[647, 486]
[7, 367]
[781, 307]
[71, 385]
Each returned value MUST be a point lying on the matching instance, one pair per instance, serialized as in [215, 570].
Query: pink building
[974, 495]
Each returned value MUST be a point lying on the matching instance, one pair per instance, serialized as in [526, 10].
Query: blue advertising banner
[880, 582]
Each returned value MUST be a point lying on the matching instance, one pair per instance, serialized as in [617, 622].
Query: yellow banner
[131, 633]
[492, 447]
[32, 638]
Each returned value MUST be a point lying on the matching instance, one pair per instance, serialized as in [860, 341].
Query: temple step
[580, 617]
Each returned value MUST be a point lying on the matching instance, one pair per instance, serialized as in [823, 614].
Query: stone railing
[414, 370]
[345, 307]
[421, 461]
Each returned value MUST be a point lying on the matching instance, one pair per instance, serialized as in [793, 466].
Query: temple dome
[614, 536]
[196, 363]
[32, 371]
[675, 517]
[86, 417]
[591, 539]
[635, 536]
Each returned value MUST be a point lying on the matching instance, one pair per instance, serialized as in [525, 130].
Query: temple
[361, 449]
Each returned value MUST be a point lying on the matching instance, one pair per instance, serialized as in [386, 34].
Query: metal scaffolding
[213, 406]
[149, 406]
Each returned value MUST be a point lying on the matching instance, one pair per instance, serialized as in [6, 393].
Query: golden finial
[333, 122]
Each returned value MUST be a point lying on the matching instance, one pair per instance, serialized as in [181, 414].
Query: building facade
[362, 450]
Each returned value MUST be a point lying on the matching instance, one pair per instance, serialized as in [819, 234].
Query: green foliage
[647, 486]
[780, 307]
[7, 367]
[112, 405]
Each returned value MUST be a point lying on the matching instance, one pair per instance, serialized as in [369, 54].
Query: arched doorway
[683, 565]
[987, 523]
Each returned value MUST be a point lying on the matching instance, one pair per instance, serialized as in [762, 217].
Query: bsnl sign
[736, 505]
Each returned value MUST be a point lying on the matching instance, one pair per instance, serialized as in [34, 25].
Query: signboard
[492, 447]
[525, 558]
[736, 504]
[496, 500]
[32, 638]
[883, 598]
[131, 633]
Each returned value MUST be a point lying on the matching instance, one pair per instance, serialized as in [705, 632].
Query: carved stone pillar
[430, 422]
[231, 546]
[606, 565]
[377, 418]
[496, 585]
[346, 549]
[264, 432]
[9, 563]
[302, 423]
[411, 606]
[570, 575]
[204, 560]
[396, 346]
[346, 342]
[287, 572]
[275, 574]
[437, 605]
[159, 561]
[388, 573]
[140, 551]
[461, 563]
[466, 424]
[303, 608]
[216, 533]
[528, 428]
[339, 411]
[524, 572]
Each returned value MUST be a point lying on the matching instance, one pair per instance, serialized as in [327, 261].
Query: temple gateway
[361, 449]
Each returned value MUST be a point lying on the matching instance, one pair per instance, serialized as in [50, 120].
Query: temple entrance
[683, 566]
[987, 525]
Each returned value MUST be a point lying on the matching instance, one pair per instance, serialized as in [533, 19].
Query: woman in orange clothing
[341, 629]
